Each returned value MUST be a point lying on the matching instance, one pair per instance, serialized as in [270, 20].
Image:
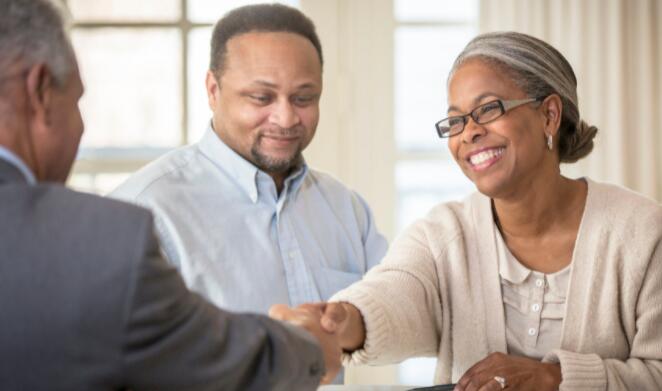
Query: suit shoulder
[78, 205]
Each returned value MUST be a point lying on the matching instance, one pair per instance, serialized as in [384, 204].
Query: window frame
[112, 160]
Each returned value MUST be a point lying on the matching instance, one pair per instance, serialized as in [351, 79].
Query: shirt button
[540, 283]
[535, 307]
[532, 331]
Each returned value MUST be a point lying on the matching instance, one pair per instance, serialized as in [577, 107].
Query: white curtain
[615, 48]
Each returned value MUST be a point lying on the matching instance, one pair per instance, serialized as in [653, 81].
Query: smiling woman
[535, 282]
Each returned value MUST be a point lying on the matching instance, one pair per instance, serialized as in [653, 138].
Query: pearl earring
[550, 142]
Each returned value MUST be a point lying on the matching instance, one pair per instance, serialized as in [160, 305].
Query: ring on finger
[501, 381]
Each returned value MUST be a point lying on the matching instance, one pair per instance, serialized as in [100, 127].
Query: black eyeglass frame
[504, 105]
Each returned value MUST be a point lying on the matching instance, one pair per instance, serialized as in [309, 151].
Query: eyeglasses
[452, 126]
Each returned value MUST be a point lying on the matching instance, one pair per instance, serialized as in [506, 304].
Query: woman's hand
[346, 321]
[518, 374]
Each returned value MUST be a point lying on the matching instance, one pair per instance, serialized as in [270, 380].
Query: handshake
[338, 327]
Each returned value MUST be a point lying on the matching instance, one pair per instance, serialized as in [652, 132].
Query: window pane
[198, 63]
[435, 10]
[423, 184]
[423, 58]
[133, 88]
[125, 10]
[209, 11]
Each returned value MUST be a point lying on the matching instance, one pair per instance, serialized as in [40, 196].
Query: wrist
[353, 335]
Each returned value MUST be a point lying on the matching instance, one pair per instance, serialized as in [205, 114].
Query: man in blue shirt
[241, 215]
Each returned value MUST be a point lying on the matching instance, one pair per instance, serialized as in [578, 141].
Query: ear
[39, 89]
[552, 109]
[212, 88]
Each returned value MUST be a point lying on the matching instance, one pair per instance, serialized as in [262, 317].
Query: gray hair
[33, 32]
[539, 70]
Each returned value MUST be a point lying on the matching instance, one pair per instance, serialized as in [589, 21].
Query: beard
[270, 164]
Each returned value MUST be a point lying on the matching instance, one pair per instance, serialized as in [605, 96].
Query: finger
[279, 311]
[328, 377]
[466, 380]
[332, 370]
[478, 383]
[334, 315]
[286, 314]
[474, 377]
[315, 308]
[490, 385]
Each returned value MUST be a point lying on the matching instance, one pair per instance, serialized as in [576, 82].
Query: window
[429, 34]
[143, 64]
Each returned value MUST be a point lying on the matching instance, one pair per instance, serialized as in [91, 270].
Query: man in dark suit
[87, 301]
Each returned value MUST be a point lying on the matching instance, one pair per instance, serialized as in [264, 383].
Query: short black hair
[259, 18]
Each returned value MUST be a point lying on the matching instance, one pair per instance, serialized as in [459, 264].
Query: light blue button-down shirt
[14, 160]
[243, 246]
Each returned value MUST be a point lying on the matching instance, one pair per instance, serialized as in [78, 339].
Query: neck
[16, 131]
[279, 180]
[542, 208]
[280, 176]
[18, 146]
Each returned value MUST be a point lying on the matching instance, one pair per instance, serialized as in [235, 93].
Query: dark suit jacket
[87, 303]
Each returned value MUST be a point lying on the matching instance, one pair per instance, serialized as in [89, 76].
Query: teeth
[484, 156]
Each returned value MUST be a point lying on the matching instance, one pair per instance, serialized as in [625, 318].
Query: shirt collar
[244, 172]
[295, 179]
[14, 160]
[509, 268]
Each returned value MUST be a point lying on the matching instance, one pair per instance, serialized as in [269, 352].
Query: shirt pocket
[553, 311]
[329, 281]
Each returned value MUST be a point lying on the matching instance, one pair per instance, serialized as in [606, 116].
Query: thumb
[333, 317]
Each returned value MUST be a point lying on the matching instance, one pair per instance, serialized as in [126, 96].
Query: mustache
[281, 132]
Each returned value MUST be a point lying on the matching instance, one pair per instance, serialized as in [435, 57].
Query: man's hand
[516, 373]
[309, 317]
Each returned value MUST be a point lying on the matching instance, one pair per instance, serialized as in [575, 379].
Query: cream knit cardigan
[437, 293]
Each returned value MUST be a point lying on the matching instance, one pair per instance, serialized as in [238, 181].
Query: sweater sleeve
[400, 303]
[642, 370]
